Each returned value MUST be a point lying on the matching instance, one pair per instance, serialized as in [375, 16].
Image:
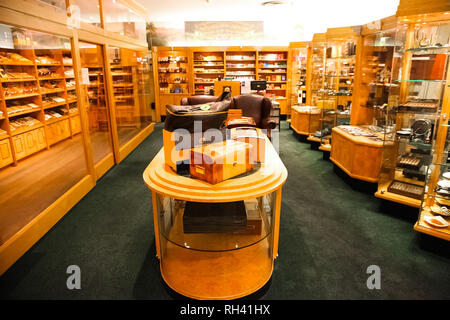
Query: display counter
[305, 120]
[357, 151]
[203, 256]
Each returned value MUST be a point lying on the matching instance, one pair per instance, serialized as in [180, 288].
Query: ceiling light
[272, 3]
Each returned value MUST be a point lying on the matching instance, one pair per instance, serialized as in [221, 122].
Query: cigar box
[220, 161]
[255, 138]
[254, 219]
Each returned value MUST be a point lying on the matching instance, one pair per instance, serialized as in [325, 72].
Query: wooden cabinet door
[5, 153]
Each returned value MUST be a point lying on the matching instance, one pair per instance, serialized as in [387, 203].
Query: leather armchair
[257, 107]
[252, 105]
[193, 100]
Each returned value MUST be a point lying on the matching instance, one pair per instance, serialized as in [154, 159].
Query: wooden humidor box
[255, 138]
[220, 161]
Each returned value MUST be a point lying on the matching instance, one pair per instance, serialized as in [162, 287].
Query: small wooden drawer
[29, 142]
[58, 131]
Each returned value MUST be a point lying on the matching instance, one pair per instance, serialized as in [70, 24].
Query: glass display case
[318, 69]
[432, 47]
[299, 60]
[339, 72]
[413, 139]
[41, 151]
[194, 235]
[370, 107]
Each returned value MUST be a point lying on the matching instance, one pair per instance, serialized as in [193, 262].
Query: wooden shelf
[10, 115]
[52, 91]
[325, 147]
[23, 130]
[6, 80]
[48, 64]
[383, 193]
[53, 120]
[51, 78]
[17, 64]
[313, 139]
[424, 227]
[54, 105]
[22, 96]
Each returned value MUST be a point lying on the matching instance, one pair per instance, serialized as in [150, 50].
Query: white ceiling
[314, 15]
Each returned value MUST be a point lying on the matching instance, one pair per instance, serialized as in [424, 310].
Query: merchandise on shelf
[13, 58]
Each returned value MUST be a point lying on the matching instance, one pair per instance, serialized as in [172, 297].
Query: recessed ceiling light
[272, 3]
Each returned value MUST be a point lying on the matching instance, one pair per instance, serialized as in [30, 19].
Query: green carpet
[332, 229]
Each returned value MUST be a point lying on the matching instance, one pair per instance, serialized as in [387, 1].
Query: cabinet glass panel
[194, 236]
[119, 18]
[317, 73]
[41, 149]
[96, 101]
[87, 11]
[426, 88]
[130, 70]
[414, 105]
[378, 51]
[340, 55]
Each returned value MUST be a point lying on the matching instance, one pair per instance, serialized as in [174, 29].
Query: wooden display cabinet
[417, 112]
[274, 67]
[37, 87]
[241, 63]
[299, 56]
[339, 71]
[208, 65]
[360, 157]
[171, 71]
[46, 152]
[315, 76]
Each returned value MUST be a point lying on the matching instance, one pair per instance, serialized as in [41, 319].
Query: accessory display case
[316, 79]
[358, 149]
[339, 72]
[416, 111]
[299, 53]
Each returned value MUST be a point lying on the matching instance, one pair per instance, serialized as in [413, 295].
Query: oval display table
[208, 256]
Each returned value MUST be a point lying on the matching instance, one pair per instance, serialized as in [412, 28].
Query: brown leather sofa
[255, 106]
[192, 100]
